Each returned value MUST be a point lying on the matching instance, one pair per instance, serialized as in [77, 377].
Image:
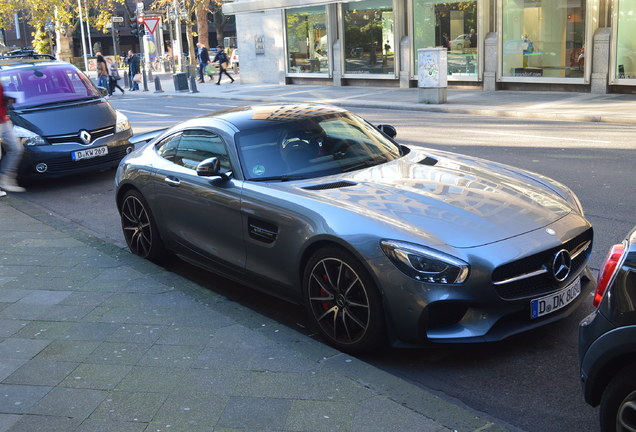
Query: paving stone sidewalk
[94, 339]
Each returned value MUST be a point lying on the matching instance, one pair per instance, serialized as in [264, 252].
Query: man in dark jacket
[221, 57]
[204, 59]
[133, 69]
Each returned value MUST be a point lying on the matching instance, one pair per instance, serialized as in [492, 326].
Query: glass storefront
[451, 25]
[369, 45]
[307, 44]
[543, 38]
[626, 40]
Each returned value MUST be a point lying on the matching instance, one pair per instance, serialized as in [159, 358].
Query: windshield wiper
[365, 164]
[50, 104]
[282, 178]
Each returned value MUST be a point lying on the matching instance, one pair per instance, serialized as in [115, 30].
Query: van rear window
[46, 83]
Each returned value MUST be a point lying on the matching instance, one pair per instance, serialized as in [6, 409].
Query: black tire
[343, 301]
[618, 404]
[139, 227]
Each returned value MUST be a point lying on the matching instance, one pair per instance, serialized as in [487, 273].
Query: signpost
[118, 19]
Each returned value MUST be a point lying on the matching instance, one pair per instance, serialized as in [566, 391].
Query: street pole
[112, 29]
[88, 31]
[79, 6]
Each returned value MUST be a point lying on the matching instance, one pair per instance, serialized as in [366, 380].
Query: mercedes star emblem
[561, 265]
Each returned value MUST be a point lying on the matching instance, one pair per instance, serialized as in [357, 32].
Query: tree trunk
[190, 37]
[201, 13]
[219, 23]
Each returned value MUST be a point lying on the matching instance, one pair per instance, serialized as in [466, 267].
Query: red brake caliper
[325, 305]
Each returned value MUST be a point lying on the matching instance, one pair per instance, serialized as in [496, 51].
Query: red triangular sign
[151, 24]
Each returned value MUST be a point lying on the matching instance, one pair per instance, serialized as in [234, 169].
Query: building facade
[582, 45]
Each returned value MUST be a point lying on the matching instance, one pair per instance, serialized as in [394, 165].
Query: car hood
[450, 199]
[66, 118]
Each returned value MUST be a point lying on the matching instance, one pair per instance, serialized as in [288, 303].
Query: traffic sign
[118, 19]
[151, 24]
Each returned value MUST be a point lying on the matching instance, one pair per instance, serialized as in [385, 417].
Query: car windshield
[312, 147]
[43, 84]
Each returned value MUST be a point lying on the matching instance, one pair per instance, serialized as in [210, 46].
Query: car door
[200, 215]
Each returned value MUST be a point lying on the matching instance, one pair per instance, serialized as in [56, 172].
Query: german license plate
[89, 153]
[555, 301]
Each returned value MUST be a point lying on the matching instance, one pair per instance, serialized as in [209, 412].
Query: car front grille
[75, 138]
[532, 276]
[61, 165]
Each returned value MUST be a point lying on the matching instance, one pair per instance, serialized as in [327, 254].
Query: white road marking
[538, 136]
[145, 113]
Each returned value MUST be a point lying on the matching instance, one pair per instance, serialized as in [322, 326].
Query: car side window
[195, 146]
[167, 148]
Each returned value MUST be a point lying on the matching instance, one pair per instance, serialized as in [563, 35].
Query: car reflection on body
[380, 241]
[607, 341]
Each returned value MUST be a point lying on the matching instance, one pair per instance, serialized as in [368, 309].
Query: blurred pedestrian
[224, 63]
[133, 69]
[102, 73]
[204, 58]
[113, 76]
[11, 147]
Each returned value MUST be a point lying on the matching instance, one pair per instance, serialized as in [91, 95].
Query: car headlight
[28, 138]
[425, 264]
[122, 123]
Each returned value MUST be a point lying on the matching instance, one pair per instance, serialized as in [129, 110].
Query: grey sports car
[381, 242]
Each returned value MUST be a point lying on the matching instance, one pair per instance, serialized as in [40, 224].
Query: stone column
[405, 62]
[491, 59]
[600, 60]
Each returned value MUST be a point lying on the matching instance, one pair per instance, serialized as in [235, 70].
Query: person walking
[224, 63]
[113, 76]
[11, 146]
[102, 73]
[133, 69]
[204, 59]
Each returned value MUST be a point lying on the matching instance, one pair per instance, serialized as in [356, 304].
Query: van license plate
[555, 301]
[90, 153]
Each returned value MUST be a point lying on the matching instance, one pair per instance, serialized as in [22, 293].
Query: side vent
[428, 161]
[262, 231]
[334, 185]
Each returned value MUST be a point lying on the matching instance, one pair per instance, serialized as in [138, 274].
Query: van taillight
[605, 275]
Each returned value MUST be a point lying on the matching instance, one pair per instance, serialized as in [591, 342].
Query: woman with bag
[113, 76]
[102, 73]
[221, 57]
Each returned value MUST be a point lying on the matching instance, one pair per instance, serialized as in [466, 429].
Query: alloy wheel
[626, 417]
[339, 301]
[137, 227]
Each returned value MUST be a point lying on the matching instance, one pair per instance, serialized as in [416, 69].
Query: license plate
[555, 301]
[90, 153]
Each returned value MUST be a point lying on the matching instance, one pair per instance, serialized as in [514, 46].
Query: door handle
[172, 181]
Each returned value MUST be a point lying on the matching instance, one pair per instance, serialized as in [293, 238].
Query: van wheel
[618, 404]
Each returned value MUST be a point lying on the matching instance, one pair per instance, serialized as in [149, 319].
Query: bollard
[127, 83]
[193, 84]
[158, 85]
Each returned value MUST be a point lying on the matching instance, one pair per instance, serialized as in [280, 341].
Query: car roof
[249, 117]
[26, 58]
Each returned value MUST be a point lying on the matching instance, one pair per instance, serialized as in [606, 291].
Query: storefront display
[451, 25]
[369, 45]
[625, 40]
[543, 38]
[307, 44]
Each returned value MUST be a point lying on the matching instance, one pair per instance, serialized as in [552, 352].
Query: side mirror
[388, 130]
[103, 91]
[211, 168]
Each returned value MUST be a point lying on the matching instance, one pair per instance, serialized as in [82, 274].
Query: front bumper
[49, 161]
[476, 311]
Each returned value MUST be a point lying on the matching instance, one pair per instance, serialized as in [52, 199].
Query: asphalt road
[529, 381]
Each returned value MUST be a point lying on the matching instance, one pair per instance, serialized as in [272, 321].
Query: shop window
[625, 41]
[451, 25]
[543, 38]
[307, 44]
[369, 46]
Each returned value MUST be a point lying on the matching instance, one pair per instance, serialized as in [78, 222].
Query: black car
[607, 341]
[61, 118]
